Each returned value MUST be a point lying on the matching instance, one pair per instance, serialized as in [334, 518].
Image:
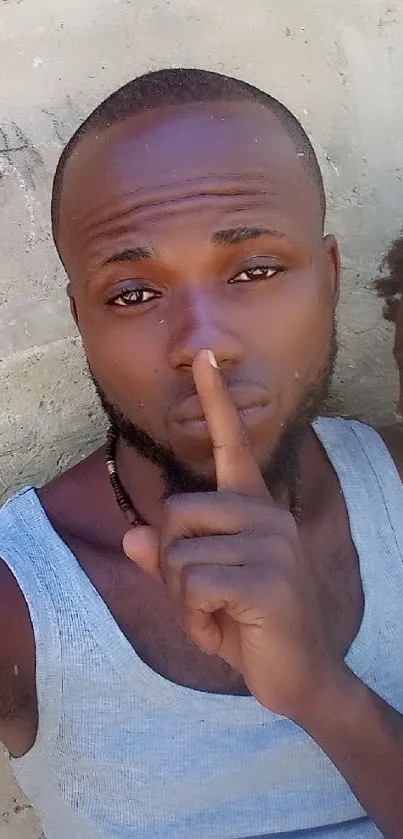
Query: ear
[73, 307]
[332, 252]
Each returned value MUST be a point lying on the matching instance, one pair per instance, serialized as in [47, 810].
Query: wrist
[338, 701]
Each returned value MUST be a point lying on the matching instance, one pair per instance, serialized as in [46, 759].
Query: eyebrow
[130, 255]
[230, 236]
[240, 234]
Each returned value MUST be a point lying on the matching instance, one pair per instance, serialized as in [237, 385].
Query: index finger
[236, 467]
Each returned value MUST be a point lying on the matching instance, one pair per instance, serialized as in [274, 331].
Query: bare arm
[363, 736]
[18, 712]
[361, 733]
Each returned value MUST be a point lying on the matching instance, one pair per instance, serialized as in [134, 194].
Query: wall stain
[15, 145]
[66, 121]
[17, 150]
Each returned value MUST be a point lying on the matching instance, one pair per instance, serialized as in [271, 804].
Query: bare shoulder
[65, 500]
[73, 498]
[393, 438]
[17, 667]
[81, 507]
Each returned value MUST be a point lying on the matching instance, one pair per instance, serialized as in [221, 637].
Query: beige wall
[339, 65]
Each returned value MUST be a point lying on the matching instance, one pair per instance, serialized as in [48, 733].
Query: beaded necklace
[128, 509]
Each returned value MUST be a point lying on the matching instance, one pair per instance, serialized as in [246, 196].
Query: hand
[233, 565]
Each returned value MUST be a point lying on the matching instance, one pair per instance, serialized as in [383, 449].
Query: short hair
[389, 284]
[179, 86]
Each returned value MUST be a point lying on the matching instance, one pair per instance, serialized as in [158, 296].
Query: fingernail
[212, 359]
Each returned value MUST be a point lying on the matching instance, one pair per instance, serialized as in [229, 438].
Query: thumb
[141, 545]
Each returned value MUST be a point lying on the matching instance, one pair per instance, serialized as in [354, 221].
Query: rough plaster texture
[339, 66]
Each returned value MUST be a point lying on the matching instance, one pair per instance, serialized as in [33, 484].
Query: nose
[199, 324]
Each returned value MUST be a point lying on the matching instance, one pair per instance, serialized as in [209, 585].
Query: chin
[195, 451]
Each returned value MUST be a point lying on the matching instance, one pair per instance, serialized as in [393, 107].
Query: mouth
[250, 402]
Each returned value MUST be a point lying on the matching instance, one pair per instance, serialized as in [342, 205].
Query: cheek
[295, 330]
[295, 327]
[129, 367]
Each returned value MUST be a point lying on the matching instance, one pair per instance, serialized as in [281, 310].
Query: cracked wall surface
[339, 66]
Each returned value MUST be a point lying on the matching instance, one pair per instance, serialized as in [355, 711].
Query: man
[242, 676]
[390, 288]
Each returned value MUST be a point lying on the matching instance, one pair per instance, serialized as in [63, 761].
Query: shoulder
[17, 667]
[393, 439]
[18, 706]
[77, 502]
[15, 623]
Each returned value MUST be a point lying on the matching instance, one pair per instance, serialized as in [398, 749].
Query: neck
[142, 481]
[143, 484]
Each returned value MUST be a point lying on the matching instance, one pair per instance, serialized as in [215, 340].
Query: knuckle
[200, 582]
[286, 524]
[173, 504]
[195, 587]
[176, 514]
[175, 557]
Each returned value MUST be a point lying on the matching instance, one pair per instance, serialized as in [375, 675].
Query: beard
[282, 466]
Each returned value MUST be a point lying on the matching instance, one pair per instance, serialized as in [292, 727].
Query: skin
[197, 306]
[233, 588]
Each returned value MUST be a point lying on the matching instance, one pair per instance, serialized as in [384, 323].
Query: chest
[145, 614]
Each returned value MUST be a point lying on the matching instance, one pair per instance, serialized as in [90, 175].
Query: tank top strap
[366, 471]
[373, 494]
[26, 557]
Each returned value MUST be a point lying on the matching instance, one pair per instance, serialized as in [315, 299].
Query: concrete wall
[339, 65]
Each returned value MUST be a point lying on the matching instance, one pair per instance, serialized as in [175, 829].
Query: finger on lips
[236, 467]
[208, 516]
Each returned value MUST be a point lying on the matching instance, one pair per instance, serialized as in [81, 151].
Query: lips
[244, 398]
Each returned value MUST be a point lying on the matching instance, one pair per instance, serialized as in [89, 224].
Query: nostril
[222, 362]
[195, 336]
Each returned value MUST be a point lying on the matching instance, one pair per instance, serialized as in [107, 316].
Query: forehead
[226, 158]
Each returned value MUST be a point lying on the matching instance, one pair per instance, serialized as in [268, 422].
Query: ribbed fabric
[122, 752]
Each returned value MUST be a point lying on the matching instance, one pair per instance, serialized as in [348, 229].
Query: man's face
[197, 227]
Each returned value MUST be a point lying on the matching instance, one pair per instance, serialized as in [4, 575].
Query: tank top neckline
[333, 434]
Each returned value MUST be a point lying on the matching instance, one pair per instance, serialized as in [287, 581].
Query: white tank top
[121, 752]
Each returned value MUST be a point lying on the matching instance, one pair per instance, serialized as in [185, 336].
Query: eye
[256, 273]
[133, 297]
